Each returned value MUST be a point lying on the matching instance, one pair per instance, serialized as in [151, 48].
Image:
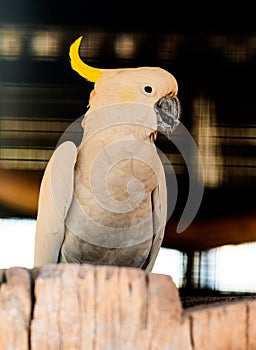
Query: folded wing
[56, 193]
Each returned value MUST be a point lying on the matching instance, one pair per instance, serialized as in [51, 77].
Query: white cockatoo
[105, 201]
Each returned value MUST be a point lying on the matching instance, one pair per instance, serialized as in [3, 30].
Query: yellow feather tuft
[90, 73]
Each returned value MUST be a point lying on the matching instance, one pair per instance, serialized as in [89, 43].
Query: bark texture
[70, 306]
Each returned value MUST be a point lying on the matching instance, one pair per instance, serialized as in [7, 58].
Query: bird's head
[147, 85]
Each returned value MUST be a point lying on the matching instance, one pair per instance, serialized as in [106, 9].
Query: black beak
[167, 113]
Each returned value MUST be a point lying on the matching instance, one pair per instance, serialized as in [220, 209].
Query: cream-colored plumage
[105, 202]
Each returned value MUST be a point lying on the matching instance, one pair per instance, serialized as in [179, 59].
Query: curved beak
[168, 112]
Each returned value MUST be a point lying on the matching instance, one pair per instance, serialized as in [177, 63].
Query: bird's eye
[148, 90]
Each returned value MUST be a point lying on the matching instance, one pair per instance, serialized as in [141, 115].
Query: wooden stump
[69, 306]
[15, 309]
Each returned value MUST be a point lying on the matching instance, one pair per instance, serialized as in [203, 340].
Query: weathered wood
[15, 309]
[220, 327]
[251, 324]
[101, 308]
[104, 308]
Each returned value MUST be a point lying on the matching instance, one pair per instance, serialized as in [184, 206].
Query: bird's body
[109, 207]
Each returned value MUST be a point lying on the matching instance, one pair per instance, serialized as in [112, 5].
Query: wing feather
[56, 193]
[159, 205]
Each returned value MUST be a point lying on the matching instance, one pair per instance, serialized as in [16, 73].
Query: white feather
[56, 193]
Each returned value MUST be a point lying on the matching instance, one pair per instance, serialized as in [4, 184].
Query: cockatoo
[105, 201]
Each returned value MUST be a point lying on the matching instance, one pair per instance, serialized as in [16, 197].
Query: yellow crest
[90, 73]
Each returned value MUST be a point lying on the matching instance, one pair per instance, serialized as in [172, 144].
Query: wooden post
[69, 306]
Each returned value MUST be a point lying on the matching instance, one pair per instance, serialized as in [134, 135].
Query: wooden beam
[73, 306]
[211, 233]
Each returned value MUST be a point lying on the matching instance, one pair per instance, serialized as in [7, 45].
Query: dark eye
[148, 89]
